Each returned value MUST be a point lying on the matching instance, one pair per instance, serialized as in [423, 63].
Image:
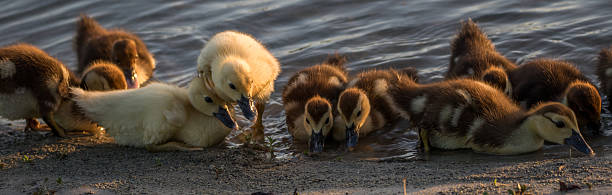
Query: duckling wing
[140, 116]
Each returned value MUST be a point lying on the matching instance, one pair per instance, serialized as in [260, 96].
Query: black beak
[224, 116]
[351, 136]
[316, 142]
[577, 142]
[132, 79]
[247, 108]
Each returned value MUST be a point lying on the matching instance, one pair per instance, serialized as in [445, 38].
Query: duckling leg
[171, 146]
[258, 128]
[424, 139]
[56, 129]
[33, 124]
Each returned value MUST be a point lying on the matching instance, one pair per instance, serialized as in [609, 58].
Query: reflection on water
[373, 34]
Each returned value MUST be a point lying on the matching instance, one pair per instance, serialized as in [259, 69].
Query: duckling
[159, 117]
[93, 42]
[362, 108]
[473, 55]
[34, 84]
[604, 72]
[465, 113]
[309, 99]
[240, 69]
[498, 78]
[103, 76]
[554, 80]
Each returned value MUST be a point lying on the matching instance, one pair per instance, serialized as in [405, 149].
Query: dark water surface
[373, 34]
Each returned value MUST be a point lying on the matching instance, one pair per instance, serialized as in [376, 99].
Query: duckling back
[604, 71]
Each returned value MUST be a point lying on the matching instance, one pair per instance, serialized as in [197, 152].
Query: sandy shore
[86, 164]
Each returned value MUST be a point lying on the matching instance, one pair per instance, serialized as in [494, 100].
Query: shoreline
[83, 164]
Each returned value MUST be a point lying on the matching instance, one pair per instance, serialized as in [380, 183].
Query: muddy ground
[33, 162]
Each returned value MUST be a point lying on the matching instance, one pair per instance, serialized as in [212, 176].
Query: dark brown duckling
[34, 84]
[545, 80]
[604, 72]
[472, 53]
[465, 113]
[362, 107]
[124, 49]
[309, 99]
[103, 76]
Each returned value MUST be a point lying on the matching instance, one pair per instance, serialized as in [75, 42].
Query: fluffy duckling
[309, 99]
[240, 69]
[94, 42]
[473, 55]
[553, 80]
[103, 76]
[498, 78]
[604, 71]
[362, 107]
[34, 84]
[465, 113]
[160, 117]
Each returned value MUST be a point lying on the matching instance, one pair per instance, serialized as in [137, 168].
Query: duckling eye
[208, 99]
[232, 86]
[327, 121]
[307, 121]
[560, 124]
[358, 113]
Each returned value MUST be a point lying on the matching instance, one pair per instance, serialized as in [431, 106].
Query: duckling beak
[247, 107]
[316, 142]
[132, 79]
[351, 136]
[577, 142]
[224, 116]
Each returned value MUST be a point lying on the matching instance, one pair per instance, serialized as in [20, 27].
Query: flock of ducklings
[486, 103]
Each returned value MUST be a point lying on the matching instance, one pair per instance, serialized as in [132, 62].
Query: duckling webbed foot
[424, 140]
[56, 129]
[33, 125]
[257, 130]
[172, 146]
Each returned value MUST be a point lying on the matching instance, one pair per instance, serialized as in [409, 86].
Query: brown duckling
[545, 80]
[465, 113]
[362, 107]
[103, 76]
[309, 99]
[34, 84]
[473, 55]
[604, 71]
[124, 49]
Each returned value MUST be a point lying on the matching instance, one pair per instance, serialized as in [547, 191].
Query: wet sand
[94, 164]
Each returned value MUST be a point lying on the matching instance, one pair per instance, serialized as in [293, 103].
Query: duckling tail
[469, 38]
[86, 27]
[410, 72]
[605, 58]
[336, 60]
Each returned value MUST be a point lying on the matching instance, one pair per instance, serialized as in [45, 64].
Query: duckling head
[235, 82]
[584, 100]
[556, 123]
[125, 55]
[354, 107]
[205, 101]
[318, 122]
[497, 78]
[103, 76]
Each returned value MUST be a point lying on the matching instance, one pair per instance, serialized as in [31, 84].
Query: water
[300, 33]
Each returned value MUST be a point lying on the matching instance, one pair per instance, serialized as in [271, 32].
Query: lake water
[373, 34]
